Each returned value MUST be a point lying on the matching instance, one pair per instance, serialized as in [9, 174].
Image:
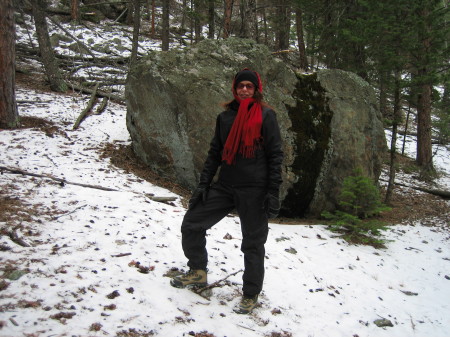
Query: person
[247, 147]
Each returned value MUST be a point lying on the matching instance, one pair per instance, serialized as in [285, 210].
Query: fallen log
[24, 50]
[440, 193]
[73, 37]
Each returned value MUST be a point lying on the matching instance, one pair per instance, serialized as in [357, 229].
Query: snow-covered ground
[79, 275]
[76, 285]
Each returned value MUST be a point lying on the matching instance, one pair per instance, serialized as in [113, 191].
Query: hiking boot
[246, 305]
[193, 278]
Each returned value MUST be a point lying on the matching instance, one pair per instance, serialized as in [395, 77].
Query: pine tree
[9, 116]
[359, 201]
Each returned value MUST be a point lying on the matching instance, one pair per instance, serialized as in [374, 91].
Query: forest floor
[79, 261]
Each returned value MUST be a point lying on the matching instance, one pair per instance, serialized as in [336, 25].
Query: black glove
[200, 194]
[272, 205]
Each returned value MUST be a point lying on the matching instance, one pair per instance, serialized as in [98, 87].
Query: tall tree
[197, 17]
[395, 122]
[228, 11]
[136, 27]
[48, 58]
[253, 20]
[409, 36]
[428, 49]
[75, 10]
[249, 23]
[282, 24]
[244, 31]
[130, 12]
[9, 117]
[153, 31]
[211, 18]
[165, 25]
[303, 61]
[424, 64]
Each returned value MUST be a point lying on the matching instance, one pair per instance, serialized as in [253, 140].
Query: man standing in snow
[247, 147]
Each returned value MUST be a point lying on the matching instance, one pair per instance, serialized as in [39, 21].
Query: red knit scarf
[245, 134]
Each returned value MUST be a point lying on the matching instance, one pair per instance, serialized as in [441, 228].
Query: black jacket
[262, 170]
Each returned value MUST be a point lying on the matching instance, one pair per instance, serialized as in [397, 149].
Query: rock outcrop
[329, 120]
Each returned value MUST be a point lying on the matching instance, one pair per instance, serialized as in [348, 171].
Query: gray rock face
[328, 120]
[338, 128]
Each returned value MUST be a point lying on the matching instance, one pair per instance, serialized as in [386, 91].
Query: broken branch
[48, 176]
[102, 106]
[88, 108]
[16, 239]
[215, 284]
[120, 255]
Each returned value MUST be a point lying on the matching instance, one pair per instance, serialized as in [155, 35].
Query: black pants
[222, 199]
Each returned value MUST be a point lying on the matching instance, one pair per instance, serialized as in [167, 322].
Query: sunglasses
[249, 86]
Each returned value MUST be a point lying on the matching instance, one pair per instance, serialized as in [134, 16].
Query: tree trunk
[406, 128]
[424, 150]
[243, 9]
[300, 39]
[130, 10]
[148, 3]
[136, 27]
[183, 15]
[395, 122]
[311, 40]
[74, 10]
[197, 20]
[253, 20]
[283, 19]
[165, 25]
[47, 56]
[424, 156]
[227, 18]
[249, 27]
[265, 25]
[153, 20]
[383, 93]
[211, 19]
[9, 117]
[191, 21]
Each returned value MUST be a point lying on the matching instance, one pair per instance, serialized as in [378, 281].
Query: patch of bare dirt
[49, 128]
[17, 213]
[409, 206]
[124, 157]
[29, 78]
[15, 209]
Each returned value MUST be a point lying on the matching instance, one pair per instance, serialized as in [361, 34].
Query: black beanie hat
[246, 75]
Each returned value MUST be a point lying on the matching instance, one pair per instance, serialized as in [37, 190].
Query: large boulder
[328, 120]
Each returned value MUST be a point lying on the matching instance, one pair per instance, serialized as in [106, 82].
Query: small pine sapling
[359, 200]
